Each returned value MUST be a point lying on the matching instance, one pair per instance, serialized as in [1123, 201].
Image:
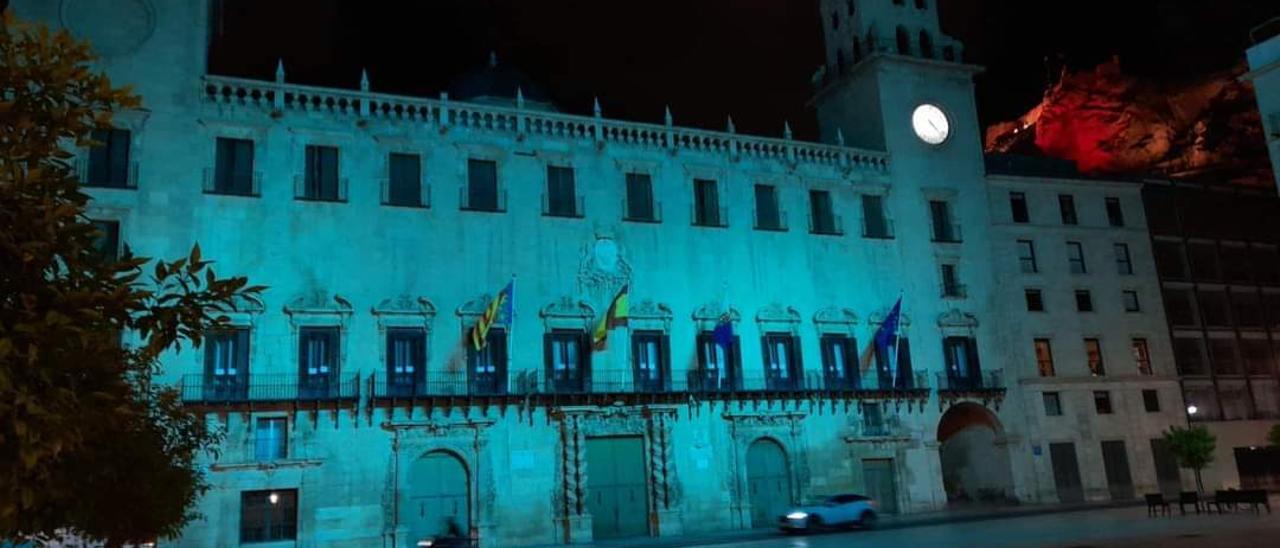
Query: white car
[835, 511]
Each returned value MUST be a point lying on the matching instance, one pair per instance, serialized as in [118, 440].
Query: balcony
[987, 387]
[314, 190]
[267, 390]
[645, 212]
[717, 217]
[878, 231]
[437, 383]
[124, 177]
[774, 223]
[494, 201]
[232, 184]
[826, 225]
[947, 233]
[572, 207]
[954, 291]
[420, 199]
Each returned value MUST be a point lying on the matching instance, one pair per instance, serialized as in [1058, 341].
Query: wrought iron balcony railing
[985, 381]
[199, 389]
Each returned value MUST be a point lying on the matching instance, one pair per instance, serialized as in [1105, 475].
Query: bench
[1156, 504]
[1237, 498]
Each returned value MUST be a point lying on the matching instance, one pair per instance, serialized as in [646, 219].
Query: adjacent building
[1264, 72]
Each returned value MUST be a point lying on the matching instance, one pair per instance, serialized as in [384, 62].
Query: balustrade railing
[268, 388]
[987, 380]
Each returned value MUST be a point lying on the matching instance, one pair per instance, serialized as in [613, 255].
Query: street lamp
[273, 498]
[1191, 409]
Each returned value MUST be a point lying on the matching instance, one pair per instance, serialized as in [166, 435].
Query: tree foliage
[1193, 446]
[1273, 436]
[88, 443]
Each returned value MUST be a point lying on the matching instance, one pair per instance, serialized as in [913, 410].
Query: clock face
[930, 124]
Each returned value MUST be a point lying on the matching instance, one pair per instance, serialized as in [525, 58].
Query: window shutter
[852, 368]
[391, 364]
[971, 349]
[664, 355]
[332, 340]
[419, 354]
[734, 356]
[303, 337]
[498, 351]
[99, 156]
[119, 150]
[209, 365]
[242, 354]
[548, 344]
[904, 361]
[700, 341]
[797, 363]
[584, 359]
[766, 357]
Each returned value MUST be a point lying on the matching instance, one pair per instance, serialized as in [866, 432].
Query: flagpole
[897, 339]
[511, 330]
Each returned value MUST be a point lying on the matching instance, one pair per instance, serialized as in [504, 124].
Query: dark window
[317, 362]
[1052, 404]
[1225, 356]
[268, 516]
[902, 378]
[1035, 300]
[1188, 354]
[1130, 299]
[1151, 401]
[822, 219]
[226, 364]
[1170, 260]
[1027, 257]
[1093, 357]
[107, 240]
[650, 358]
[482, 186]
[1018, 207]
[1204, 261]
[640, 206]
[839, 362]
[782, 368]
[1271, 306]
[768, 216]
[404, 185]
[406, 360]
[1102, 402]
[1044, 357]
[271, 439]
[706, 203]
[961, 355]
[1067, 204]
[1141, 356]
[849, 7]
[1180, 308]
[487, 367]
[1236, 263]
[321, 178]
[1257, 356]
[233, 168]
[1265, 264]
[109, 164]
[1124, 264]
[562, 194]
[926, 45]
[1216, 309]
[718, 366]
[920, 4]
[904, 41]
[1075, 258]
[943, 229]
[951, 286]
[568, 358]
[874, 223]
[1115, 215]
[1084, 300]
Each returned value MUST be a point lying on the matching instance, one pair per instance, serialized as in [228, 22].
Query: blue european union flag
[723, 332]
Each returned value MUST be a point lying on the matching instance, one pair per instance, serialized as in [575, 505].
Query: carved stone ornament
[711, 312]
[404, 309]
[835, 319]
[318, 304]
[567, 312]
[877, 318]
[956, 318]
[603, 269]
[475, 307]
[777, 314]
[648, 313]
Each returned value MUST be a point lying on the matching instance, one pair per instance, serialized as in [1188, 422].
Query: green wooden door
[437, 491]
[878, 476]
[616, 487]
[768, 482]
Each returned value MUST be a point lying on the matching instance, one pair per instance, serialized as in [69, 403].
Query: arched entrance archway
[975, 467]
[439, 489]
[768, 482]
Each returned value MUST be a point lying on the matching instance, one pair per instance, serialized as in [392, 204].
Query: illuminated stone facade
[355, 413]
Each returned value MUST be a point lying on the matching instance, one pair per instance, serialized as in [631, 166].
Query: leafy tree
[89, 445]
[1193, 446]
[1273, 437]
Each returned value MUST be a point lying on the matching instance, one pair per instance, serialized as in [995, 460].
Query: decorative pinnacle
[667, 117]
[786, 130]
[364, 80]
[519, 97]
[731, 128]
[595, 107]
[839, 137]
[279, 70]
[493, 58]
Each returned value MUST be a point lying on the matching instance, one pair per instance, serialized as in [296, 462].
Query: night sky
[707, 58]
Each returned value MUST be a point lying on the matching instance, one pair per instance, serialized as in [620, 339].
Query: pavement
[1067, 526]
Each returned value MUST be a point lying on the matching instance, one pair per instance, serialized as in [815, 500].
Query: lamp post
[1191, 411]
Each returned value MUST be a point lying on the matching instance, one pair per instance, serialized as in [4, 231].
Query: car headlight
[797, 515]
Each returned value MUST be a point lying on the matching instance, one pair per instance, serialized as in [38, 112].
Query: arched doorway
[438, 490]
[975, 469]
[768, 482]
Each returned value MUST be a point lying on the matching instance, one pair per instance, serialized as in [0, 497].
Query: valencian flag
[884, 337]
[500, 307]
[616, 316]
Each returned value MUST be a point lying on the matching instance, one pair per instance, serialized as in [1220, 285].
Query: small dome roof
[494, 83]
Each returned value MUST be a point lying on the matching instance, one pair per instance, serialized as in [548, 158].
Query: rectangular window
[268, 516]
[874, 223]
[839, 362]
[822, 218]
[1225, 356]
[562, 194]
[482, 193]
[321, 178]
[1257, 356]
[1151, 401]
[271, 439]
[706, 203]
[886, 375]
[1141, 356]
[1067, 204]
[1124, 265]
[1204, 261]
[1075, 258]
[1216, 308]
[1044, 357]
[1179, 307]
[640, 205]
[961, 357]
[1052, 404]
[768, 216]
[650, 361]
[1170, 260]
[1093, 355]
[233, 167]
[1246, 309]
[107, 242]
[406, 360]
[487, 367]
[1188, 354]
[567, 361]
[1018, 207]
[943, 229]
[1237, 263]
[226, 364]
[1027, 257]
[317, 362]
[1084, 300]
[1115, 215]
[109, 164]
[404, 182]
[951, 286]
[1102, 402]
[1130, 299]
[718, 365]
[782, 369]
[1035, 300]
